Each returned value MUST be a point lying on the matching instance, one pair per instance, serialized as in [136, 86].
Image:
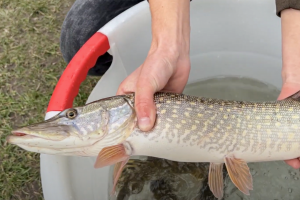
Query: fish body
[192, 129]
[187, 129]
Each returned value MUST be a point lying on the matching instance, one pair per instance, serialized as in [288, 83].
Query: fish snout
[45, 131]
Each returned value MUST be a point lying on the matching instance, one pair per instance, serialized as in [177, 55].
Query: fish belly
[171, 150]
[207, 150]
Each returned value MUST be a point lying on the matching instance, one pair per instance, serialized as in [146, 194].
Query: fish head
[76, 131]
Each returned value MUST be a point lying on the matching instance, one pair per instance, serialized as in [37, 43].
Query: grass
[30, 64]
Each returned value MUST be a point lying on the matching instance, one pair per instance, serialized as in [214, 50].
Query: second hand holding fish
[290, 28]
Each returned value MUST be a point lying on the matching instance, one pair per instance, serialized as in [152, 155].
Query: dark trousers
[83, 20]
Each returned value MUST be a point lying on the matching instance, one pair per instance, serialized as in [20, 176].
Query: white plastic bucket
[228, 37]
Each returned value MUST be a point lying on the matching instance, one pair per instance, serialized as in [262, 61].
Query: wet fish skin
[254, 131]
[187, 129]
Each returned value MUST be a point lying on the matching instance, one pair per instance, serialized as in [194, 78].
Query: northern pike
[187, 129]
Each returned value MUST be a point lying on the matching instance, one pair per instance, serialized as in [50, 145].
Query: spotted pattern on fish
[226, 126]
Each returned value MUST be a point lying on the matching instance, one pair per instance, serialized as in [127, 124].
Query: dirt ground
[30, 64]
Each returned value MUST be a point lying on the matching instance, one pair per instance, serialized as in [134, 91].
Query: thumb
[144, 102]
[288, 89]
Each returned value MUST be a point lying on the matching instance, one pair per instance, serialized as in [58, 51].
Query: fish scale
[226, 126]
[187, 129]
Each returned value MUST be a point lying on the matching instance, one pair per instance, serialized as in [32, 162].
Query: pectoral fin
[239, 174]
[215, 179]
[111, 155]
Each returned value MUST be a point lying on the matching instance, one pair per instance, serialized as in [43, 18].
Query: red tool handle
[75, 73]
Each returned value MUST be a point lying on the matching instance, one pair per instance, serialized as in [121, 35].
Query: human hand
[161, 71]
[291, 85]
[290, 28]
[167, 65]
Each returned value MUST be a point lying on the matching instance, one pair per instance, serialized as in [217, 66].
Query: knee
[83, 20]
[78, 26]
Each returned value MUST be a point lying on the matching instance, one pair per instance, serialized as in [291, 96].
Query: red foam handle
[75, 73]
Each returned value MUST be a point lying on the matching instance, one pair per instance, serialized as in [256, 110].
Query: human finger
[295, 163]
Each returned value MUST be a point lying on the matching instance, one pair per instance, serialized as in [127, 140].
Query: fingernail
[144, 123]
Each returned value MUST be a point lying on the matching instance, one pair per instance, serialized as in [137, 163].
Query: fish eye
[71, 114]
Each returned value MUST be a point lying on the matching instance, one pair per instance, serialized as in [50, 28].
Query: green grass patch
[30, 64]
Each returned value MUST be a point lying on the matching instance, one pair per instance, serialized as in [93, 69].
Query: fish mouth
[18, 133]
[43, 131]
[26, 135]
[52, 140]
[39, 145]
[70, 146]
[17, 137]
